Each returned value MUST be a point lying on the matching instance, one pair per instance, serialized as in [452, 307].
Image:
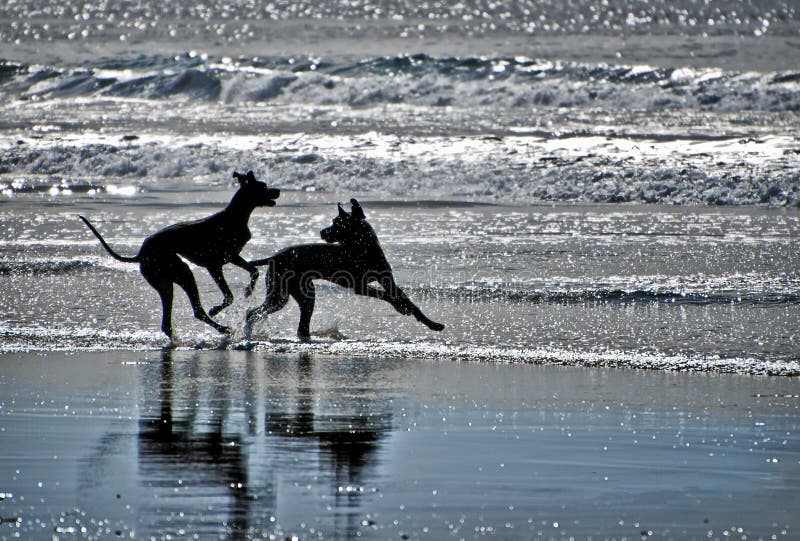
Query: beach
[248, 445]
[599, 201]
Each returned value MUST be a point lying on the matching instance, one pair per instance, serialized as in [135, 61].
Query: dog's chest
[238, 238]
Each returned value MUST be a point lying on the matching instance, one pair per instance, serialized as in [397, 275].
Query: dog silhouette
[210, 242]
[352, 258]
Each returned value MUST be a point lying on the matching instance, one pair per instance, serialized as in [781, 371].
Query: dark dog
[353, 258]
[211, 243]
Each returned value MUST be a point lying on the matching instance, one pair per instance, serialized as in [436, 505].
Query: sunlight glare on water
[599, 201]
[647, 287]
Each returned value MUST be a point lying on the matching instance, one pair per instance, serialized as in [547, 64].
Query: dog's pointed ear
[244, 179]
[358, 212]
[342, 213]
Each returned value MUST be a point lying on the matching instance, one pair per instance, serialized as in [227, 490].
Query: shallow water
[672, 287]
[245, 445]
[608, 183]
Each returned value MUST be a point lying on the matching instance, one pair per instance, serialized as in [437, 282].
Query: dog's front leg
[249, 267]
[303, 293]
[227, 300]
[371, 292]
[396, 297]
[400, 301]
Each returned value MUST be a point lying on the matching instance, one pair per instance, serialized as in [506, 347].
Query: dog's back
[209, 241]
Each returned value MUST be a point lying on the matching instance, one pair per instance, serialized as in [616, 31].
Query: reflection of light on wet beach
[127, 191]
[59, 190]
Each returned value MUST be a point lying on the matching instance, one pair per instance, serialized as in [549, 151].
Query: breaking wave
[409, 79]
[512, 168]
[506, 128]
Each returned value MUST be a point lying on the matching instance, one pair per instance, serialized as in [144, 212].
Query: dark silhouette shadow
[200, 424]
[348, 440]
[352, 258]
[173, 447]
[211, 243]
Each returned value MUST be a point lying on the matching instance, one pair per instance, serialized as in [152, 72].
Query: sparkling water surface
[571, 188]
[594, 183]
[598, 282]
[242, 445]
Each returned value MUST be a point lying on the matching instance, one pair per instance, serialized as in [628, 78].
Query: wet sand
[233, 444]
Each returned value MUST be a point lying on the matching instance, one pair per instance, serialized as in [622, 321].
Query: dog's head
[256, 191]
[349, 227]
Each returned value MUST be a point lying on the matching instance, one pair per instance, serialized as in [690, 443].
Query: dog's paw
[436, 326]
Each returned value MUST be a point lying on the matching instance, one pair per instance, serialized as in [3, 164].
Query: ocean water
[594, 183]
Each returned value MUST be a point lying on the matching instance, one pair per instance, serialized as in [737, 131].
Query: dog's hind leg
[183, 277]
[219, 279]
[163, 285]
[303, 292]
[277, 297]
[165, 292]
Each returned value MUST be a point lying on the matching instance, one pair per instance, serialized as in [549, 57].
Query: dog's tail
[262, 262]
[106, 246]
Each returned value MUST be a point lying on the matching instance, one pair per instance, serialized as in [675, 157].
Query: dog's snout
[268, 196]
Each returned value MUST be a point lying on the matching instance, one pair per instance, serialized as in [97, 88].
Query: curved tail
[107, 247]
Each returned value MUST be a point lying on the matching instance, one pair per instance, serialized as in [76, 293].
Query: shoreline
[420, 351]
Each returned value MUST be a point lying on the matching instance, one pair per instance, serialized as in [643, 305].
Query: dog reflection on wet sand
[352, 258]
